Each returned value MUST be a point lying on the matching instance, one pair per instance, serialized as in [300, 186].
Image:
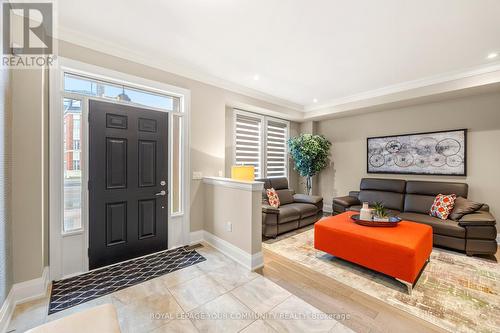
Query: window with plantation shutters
[248, 142]
[276, 149]
[262, 142]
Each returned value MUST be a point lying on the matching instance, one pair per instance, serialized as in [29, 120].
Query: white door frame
[68, 250]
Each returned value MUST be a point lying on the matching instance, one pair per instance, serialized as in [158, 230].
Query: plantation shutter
[276, 149]
[248, 143]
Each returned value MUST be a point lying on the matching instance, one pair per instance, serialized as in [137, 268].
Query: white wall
[480, 114]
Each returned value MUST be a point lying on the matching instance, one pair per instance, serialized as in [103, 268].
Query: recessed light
[492, 55]
[256, 77]
[315, 100]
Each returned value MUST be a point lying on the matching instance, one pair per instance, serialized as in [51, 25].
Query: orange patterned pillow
[442, 206]
[273, 198]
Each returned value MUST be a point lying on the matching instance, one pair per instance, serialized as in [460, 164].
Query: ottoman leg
[408, 285]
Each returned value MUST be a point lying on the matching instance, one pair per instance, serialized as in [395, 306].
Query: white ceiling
[327, 50]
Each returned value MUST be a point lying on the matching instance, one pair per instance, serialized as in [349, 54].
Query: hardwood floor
[366, 313]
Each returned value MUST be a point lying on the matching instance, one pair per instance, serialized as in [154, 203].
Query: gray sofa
[295, 210]
[473, 233]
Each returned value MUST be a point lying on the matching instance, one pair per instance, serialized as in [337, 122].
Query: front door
[128, 168]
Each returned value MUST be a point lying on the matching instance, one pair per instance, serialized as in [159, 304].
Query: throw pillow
[464, 206]
[273, 198]
[442, 206]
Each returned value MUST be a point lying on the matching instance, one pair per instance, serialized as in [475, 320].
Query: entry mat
[83, 288]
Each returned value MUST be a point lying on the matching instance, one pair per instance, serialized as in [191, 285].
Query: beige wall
[6, 271]
[240, 207]
[480, 114]
[29, 176]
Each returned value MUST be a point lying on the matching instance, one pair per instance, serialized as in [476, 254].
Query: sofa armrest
[346, 201]
[477, 218]
[270, 209]
[304, 198]
[354, 194]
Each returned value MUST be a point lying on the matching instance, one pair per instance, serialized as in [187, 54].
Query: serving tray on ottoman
[400, 252]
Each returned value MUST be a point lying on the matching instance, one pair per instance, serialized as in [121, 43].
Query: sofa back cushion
[390, 200]
[280, 183]
[388, 191]
[286, 196]
[416, 203]
[420, 195]
[380, 184]
[435, 188]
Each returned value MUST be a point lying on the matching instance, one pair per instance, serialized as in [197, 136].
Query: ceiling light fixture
[256, 77]
[315, 100]
[492, 55]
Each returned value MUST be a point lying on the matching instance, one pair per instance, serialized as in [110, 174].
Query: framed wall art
[433, 153]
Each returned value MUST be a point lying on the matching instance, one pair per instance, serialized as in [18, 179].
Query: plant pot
[380, 219]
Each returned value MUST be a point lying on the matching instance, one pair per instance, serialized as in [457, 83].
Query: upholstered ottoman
[400, 252]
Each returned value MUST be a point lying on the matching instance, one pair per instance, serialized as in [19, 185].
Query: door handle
[161, 193]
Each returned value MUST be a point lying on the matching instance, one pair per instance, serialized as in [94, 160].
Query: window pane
[86, 86]
[276, 149]
[248, 140]
[176, 164]
[72, 171]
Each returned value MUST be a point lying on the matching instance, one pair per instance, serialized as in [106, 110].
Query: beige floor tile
[260, 294]
[29, 315]
[87, 305]
[131, 294]
[177, 326]
[295, 315]
[196, 292]
[259, 326]
[223, 314]
[215, 259]
[232, 275]
[180, 276]
[148, 313]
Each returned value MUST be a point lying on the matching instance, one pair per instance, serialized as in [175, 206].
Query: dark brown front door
[128, 168]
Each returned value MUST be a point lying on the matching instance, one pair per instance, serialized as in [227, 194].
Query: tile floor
[197, 299]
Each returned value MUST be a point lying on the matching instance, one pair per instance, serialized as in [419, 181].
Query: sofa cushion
[442, 206]
[305, 209]
[441, 227]
[280, 183]
[272, 198]
[417, 203]
[435, 188]
[390, 200]
[285, 196]
[378, 184]
[464, 206]
[288, 213]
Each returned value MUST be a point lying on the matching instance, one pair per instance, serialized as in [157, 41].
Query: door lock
[161, 193]
[163, 183]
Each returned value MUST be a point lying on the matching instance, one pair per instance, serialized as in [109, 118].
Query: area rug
[455, 292]
[83, 288]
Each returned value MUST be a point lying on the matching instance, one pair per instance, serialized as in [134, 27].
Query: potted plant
[310, 155]
[380, 213]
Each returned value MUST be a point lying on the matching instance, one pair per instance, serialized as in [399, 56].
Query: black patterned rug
[83, 288]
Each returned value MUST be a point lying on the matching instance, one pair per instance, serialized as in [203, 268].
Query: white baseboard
[327, 208]
[252, 262]
[23, 292]
[196, 237]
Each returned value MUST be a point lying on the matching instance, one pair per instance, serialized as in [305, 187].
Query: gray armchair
[295, 210]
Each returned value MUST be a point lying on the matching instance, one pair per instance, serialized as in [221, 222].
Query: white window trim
[58, 238]
[264, 119]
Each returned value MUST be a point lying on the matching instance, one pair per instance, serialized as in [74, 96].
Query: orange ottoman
[400, 252]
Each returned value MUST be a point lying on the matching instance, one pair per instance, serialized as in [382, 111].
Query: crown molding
[168, 65]
[435, 80]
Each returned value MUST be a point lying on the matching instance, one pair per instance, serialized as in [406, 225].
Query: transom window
[261, 141]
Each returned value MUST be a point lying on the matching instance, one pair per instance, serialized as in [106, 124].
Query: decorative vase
[365, 213]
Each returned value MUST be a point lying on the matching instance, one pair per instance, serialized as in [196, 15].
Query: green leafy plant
[379, 210]
[310, 155]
